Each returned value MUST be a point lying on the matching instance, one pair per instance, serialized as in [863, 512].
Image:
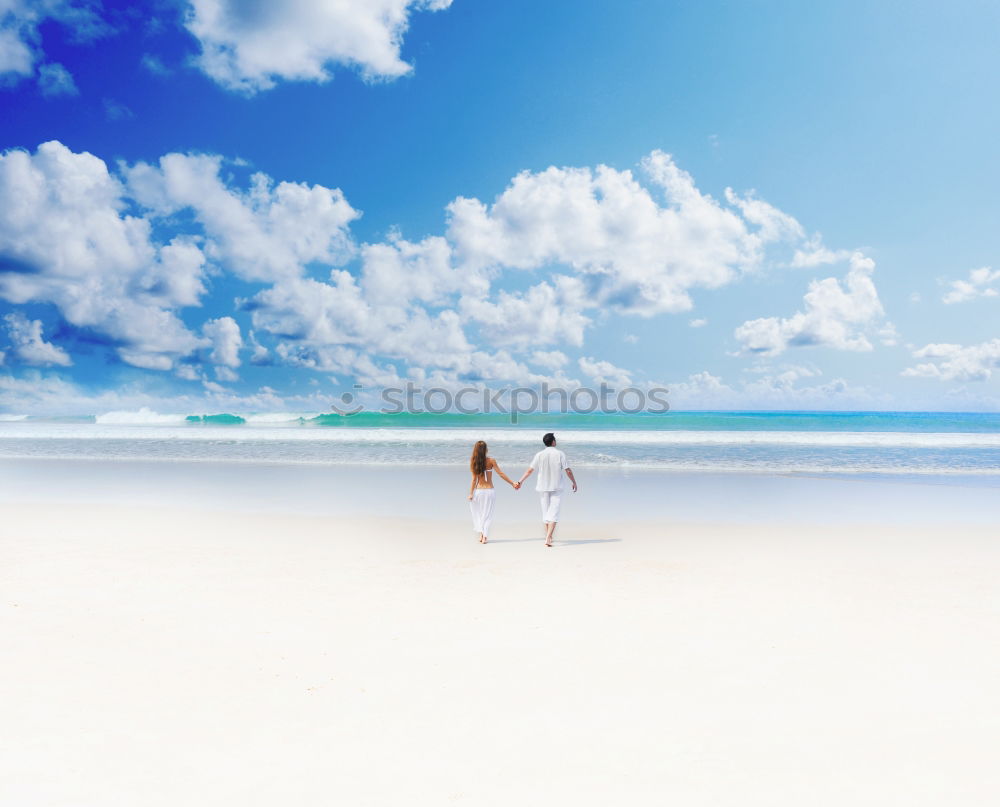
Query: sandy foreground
[162, 656]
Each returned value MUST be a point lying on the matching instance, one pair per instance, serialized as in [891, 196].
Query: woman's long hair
[478, 461]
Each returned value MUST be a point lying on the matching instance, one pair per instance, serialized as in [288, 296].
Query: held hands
[516, 485]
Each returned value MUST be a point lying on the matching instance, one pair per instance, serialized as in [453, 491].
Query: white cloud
[28, 344]
[177, 278]
[814, 253]
[772, 388]
[980, 284]
[265, 233]
[553, 360]
[260, 355]
[47, 393]
[836, 315]
[20, 40]
[698, 323]
[188, 372]
[226, 341]
[310, 311]
[949, 362]
[636, 255]
[547, 313]
[888, 335]
[16, 57]
[332, 326]
[772, 224]
[248, 47]
[399, 272]
[604, 372]
[94, 244]
[66, 239]
[55, 80]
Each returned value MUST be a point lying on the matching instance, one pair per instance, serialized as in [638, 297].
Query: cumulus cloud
[604, 372]
[769, 388]
[772, 224]
[837, 315]
[66, 239]
[248, 47]
[259, 355]
[120, 253]
[547, 313]
[28, 344]
[265, 233]
[20, 40]
[948, 362]
[48, 393]
[399, 272]
[330, 326]
[638, 255]
[981, 283]
[553, 360]
[814, 253]
[639, 249]
[226, 342]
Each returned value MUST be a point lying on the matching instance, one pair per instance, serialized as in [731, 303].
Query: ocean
[920, 444]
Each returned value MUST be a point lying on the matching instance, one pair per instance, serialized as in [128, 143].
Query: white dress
[481, 506]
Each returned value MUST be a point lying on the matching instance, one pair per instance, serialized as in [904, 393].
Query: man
[550, 463]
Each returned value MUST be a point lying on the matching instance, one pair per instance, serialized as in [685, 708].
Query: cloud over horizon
[837, 315]
[133, 254]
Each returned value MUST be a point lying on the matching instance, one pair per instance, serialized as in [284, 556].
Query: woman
[481, 494]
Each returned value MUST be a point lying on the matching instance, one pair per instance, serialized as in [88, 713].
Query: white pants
[551, 499]
[481, 505]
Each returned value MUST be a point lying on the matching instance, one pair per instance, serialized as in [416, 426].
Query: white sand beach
[166, 654]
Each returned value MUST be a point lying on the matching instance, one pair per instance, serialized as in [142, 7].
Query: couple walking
[549, 464]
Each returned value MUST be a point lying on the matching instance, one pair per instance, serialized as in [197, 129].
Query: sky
[216, 206]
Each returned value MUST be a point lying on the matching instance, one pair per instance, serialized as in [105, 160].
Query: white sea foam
[12, 418]
[148, 425]
[280, 417]
[143, 416]
[146, 416]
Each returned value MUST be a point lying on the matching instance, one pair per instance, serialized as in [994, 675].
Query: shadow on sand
[557, 543]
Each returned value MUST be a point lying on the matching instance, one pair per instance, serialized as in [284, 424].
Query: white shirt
[548, 465]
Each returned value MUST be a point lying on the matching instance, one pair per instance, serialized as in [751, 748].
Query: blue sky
[499, 193]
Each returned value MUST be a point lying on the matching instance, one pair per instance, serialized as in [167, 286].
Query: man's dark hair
[549, 439]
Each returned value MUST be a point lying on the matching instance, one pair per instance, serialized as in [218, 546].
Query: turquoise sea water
[900, 443]
[929, 422]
